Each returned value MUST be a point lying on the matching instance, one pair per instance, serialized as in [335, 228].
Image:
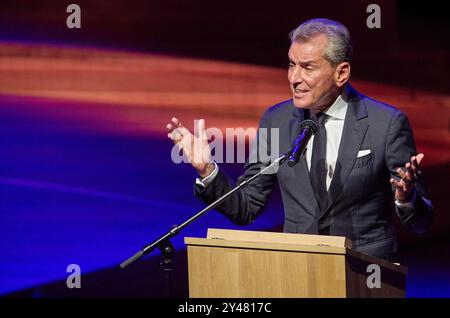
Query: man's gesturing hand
[195, 148]
[404, 188]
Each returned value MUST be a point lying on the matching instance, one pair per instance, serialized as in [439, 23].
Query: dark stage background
[86, 175]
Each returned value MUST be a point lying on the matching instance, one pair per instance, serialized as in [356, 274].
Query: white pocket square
[363, 153]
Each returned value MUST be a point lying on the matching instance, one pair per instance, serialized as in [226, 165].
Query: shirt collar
[339, 108]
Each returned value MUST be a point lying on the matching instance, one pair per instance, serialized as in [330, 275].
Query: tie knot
[319, 118]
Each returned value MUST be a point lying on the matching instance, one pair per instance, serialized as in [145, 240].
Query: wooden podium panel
[263, 264]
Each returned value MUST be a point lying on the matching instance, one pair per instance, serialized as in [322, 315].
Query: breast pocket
[363, 161]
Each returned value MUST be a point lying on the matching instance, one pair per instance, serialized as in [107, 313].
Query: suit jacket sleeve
[400, 147]
[245, 205]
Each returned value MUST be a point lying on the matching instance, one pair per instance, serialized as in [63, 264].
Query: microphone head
[311, 124]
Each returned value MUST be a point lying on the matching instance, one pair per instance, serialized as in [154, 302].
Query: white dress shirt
[334, 125]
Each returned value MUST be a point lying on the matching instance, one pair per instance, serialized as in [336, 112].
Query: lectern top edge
[277, 237]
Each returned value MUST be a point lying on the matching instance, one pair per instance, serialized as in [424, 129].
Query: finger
[402, 185]
[405, 174]
[413, 164]
[174, 123]
[398, 184]
[415, 172]
[201, 129]
[400, 172]
[183, 131]
[178, 133]
[405, 180]
[419, 158]
[416, 162]
[177, 122]
[410, 173]
[409, 177]
[174, 136]
[395, 183]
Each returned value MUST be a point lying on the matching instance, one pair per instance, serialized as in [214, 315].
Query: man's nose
[295, 77]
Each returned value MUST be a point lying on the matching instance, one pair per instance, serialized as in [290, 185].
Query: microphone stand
[163, 242]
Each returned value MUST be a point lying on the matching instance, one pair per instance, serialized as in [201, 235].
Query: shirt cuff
[208, 179]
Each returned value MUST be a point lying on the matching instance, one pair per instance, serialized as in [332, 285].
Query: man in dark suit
[358, 168]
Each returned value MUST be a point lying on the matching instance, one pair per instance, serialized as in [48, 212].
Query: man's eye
[291, 65]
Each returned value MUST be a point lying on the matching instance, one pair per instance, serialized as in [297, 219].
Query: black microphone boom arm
[308, 129]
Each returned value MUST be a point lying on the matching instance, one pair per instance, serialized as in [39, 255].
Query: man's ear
[342, 74]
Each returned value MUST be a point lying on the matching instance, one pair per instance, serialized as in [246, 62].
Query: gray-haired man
[359, 167]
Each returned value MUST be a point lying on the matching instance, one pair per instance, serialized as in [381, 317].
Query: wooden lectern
[237, 264]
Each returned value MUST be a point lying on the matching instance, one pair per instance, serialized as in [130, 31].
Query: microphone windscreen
[311, 124]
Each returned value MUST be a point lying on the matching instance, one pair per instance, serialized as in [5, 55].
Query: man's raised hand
[195, 148]
[404, 188]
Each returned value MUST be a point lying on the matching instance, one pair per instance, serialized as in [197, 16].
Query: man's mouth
[300, 92]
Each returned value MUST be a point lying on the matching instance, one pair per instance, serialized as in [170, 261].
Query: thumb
[419, 158]
[201, 129]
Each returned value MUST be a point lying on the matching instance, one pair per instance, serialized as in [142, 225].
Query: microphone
[308, 128]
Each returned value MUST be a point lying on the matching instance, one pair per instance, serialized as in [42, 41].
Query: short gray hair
[339, 49]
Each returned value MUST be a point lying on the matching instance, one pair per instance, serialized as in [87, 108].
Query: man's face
[311, 77]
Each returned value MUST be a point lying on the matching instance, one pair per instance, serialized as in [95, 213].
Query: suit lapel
[301, 172]
[355, 128]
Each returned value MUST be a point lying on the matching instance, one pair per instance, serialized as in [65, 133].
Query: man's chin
[301, 103]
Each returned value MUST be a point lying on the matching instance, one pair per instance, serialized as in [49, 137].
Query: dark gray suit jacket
[360, 199]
